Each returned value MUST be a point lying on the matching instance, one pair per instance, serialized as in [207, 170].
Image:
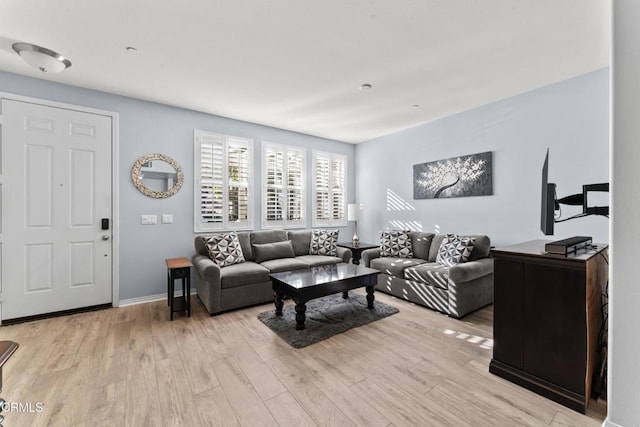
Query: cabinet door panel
[507, 312]
[554, 325]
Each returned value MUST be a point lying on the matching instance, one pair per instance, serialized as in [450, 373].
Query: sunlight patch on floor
[482, 342]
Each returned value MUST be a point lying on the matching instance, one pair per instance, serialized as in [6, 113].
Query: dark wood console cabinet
[547, 318]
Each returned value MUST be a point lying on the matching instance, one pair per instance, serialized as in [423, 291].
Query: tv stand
[547, 318]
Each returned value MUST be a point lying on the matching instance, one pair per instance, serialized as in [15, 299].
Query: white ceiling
[298, 64]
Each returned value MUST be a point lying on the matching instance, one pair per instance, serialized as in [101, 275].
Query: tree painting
[456, 177]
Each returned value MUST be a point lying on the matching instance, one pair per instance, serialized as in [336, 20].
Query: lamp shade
[43, 59]
[352, 211]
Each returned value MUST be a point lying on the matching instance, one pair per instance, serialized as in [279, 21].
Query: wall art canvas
[462, 176]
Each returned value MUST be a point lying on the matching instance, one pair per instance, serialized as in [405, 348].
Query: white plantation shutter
[283, 189]
[295, 186]
[329, 189]
[223, 177]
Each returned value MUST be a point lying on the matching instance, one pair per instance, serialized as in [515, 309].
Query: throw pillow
[266, 251]
[396, 243]
[454, 250]
[224, 248]
[324, 242]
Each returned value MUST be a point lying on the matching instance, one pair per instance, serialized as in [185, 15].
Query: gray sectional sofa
[456, 290]
[247, 283]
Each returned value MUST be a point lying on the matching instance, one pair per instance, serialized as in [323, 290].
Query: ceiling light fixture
[43, 59]
[365, 86]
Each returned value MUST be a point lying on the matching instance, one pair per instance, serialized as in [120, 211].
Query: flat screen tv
[547, 200]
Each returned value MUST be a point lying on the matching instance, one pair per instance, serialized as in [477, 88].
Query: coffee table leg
[370, 297]
[300, 316]
[279, 303]
[345, 295]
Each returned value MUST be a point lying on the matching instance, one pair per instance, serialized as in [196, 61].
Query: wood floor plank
[354, 406]
[140, 334]
[214, 409]
[400, 407]
[247, 405]
[199, 369]
[174, 394]
[132, 366]
[68, 409]
[317, 404]
[288, 412]
[142, 405]
[108, 405]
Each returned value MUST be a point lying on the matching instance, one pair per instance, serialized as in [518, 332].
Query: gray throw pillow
[454, 250]
[224, 248]
[266, 251]
[324, 242]
[396, 243]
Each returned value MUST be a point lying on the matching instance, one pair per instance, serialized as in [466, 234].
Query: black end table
[179, 268]
[357, 250]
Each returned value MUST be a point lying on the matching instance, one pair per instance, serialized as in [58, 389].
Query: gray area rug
[326, 317]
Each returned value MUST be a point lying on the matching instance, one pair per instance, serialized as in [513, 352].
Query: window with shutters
[223, 182]
[329, 189]
[283, 186]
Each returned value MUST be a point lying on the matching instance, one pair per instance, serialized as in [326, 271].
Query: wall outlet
[149, 219]
[167, 218]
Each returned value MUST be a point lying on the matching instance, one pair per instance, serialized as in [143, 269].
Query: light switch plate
[149, 219]
[167, 218]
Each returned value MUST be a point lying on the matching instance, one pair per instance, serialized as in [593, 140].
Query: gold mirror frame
[137, 180]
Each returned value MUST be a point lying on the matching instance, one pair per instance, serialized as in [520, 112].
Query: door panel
[56, 187]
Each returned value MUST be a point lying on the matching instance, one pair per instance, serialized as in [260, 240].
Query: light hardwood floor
[131, 366]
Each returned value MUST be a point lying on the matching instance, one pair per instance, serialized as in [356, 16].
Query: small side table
[179, 268]
[357, 251]
[7, 348]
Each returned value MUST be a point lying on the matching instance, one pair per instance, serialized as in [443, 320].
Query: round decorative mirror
[157, 175]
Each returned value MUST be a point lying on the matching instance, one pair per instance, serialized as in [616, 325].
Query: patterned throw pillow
[396, 243]
[224, 248]
[324, 242]
[454, 250]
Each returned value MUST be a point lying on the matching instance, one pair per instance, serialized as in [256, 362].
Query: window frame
[331, 158]
[285, 151]
[227, 142]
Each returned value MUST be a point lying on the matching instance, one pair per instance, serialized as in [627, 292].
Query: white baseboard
[149, 298]
[608, 423]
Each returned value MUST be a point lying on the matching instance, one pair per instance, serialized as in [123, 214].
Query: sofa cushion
[481, 247]
[243, 274]
[396, 243]
[317, 260]
[267, 236]
[435, 247]
[301, 240]
[266, 251]
[431, 273]
[284, 264]
[324, 242]
[245, 244]
[224, 249]
[420, 243]
[454, 250]
[394, 265]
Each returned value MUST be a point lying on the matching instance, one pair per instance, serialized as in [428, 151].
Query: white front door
[56, 188]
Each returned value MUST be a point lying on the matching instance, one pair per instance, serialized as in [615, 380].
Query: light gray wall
[145, 128]
[570, 117]
[624, 290]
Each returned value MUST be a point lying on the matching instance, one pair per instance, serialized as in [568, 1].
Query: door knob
[105, 237]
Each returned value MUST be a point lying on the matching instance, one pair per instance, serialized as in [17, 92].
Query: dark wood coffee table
[304, 285]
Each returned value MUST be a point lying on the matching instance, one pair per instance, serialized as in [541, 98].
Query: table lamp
[352, 215]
